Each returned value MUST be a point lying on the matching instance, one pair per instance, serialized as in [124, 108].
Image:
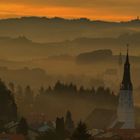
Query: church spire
[126, 83]
[127, 56]
[125, 111]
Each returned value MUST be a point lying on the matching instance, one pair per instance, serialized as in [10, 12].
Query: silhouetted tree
[69, 124]
[84, 92]
[102, 97]
[58, 87]
[22, 127]
[8, 106]
[42, 90]
[19, 95]
[60, 129]
[100, 91]
[81, 90]
[48, 135]
[72, 88]
[12, 87]
[81, 132]
[49, 90]
[29, 95]
[93, 91]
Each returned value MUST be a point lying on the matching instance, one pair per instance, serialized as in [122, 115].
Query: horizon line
[71, 18]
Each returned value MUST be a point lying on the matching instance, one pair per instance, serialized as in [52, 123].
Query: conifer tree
[81, 132]
[22, 127]
[69, 124]
[8, 106]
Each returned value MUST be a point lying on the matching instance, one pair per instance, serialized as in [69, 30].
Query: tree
[49, 135]
[29, 95]
[72, 88]
[69, 124]
[60, 128]
[19, 95]
[49, 90]
[8, 107]
[58, 87]
[82, 91]
[12, 87]
[22, 127]
[93, 91]
[41, 90]
[81, 132]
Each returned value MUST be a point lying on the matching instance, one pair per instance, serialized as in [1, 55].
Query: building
[125, 110]
[119, 124]
[121, 118]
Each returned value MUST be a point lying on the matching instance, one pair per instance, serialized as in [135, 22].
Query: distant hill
[95, 56]
[102, 56]
[42, 29]
[23, 48]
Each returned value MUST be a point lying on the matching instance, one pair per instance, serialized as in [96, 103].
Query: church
[125, 110]
[123, 117]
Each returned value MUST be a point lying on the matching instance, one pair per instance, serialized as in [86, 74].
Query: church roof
[101, 118]
[118, 125]
[126, 82]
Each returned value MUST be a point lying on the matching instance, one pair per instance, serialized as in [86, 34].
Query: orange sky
[93, 9]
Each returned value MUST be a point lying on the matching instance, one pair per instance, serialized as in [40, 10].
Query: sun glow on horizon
[19, 10]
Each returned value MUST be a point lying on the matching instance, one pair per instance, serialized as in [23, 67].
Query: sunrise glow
[17, 10]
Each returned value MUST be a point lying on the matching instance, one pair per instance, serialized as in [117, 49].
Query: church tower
[125, 109]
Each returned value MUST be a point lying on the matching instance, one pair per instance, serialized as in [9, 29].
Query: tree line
[26, 98]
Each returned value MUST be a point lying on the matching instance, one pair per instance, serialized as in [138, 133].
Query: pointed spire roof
[127, 56]
[126, 82]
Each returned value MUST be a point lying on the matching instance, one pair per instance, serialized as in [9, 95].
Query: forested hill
[59, 29]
